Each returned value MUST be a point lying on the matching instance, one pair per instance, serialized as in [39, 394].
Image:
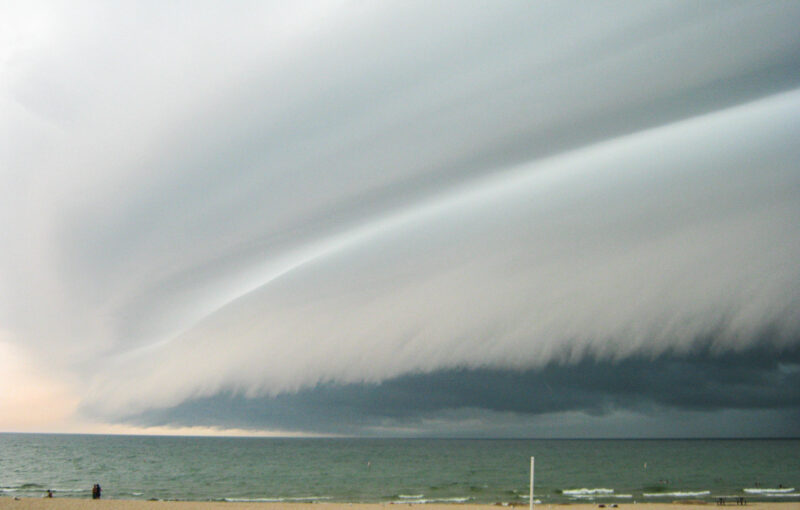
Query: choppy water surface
[397, 470]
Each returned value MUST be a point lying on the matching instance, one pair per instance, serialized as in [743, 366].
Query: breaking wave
[433, 500]
[276, 500]
[769, 492]
[689, 494]
[587, 492]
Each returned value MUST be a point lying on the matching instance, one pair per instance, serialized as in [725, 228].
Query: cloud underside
[711, 394]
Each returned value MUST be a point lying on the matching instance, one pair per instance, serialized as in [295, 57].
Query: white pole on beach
[531, 495]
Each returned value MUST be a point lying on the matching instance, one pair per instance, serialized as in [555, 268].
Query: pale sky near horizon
[549, 219]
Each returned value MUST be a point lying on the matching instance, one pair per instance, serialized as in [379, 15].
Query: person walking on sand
[96, 490]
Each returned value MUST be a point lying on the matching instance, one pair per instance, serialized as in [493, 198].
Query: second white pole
[531, 494]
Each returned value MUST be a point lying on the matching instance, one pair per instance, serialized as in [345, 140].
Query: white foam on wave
[275, 500]
[433, 500]
[591, 497]
[690, 494]
[587, 492]
[410, 496]
[39, 488]
[252, 500]
[779, 490]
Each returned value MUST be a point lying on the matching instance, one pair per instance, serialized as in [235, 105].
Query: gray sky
[400, 218]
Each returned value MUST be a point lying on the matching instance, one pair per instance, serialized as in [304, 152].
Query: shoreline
[10, 503]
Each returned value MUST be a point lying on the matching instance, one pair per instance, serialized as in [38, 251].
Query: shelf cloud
[406, 218]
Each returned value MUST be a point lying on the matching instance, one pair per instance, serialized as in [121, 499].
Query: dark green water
[407, 470]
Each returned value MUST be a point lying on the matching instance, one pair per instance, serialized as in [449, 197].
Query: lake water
[397, 470]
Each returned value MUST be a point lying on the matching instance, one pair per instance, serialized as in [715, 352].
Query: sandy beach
[109, 504]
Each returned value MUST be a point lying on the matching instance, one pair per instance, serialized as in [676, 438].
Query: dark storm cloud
[701, 382]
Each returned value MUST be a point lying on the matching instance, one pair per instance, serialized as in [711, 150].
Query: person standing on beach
[96, 491]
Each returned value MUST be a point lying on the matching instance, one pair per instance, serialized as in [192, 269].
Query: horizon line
[415, 438]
